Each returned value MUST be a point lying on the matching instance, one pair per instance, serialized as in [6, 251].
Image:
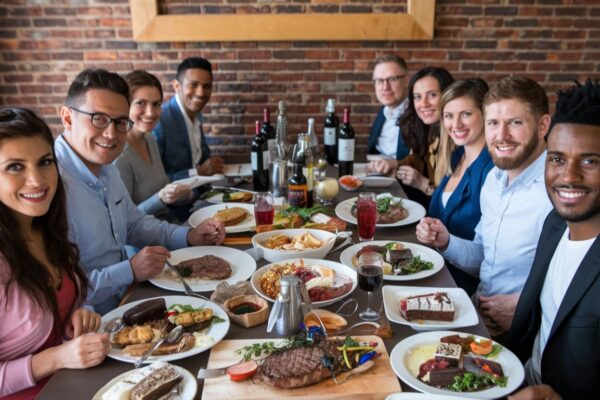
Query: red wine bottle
[258, 156]
[346, 146]
[330, 132]
[269, 132]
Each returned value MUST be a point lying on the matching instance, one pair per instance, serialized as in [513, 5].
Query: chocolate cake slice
[450, 353]
[444, 377]
[432, 307]
[157, 384]
[479, 366]
[150, 310]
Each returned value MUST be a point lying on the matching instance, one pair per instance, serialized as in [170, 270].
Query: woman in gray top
[140, 165]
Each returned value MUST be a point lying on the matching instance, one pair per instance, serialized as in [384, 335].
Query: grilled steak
[394, 214]
[205, 267]
[302, 366]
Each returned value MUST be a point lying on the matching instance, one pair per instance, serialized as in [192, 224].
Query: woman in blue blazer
[462, 165]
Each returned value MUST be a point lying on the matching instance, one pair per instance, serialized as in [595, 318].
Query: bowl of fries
[285, 244]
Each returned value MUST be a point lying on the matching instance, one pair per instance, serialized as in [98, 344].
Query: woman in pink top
[41, 284]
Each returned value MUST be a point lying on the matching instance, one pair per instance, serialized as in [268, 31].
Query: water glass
[327, 189]
[370, 279]
[366, 215]
[264, 210]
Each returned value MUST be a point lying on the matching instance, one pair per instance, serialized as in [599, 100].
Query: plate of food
[426, 308]
[146, 321]
[237, 217]
[204, 267]
[326, 281]
[391, 211]
[454, 363]
[293, 243]
[299, 217]
[218, 196]
[402, 261]
[141, 383]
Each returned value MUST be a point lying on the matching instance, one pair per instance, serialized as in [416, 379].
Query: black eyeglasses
[101, 121]
[390, 80]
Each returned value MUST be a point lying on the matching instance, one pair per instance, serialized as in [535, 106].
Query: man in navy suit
[390, 79]
[179, 134]
[556, 322]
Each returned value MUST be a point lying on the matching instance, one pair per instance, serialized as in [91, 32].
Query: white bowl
[280, 255]
[350, 188]
[342, 272]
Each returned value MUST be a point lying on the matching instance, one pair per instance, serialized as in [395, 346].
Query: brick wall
[44, 44]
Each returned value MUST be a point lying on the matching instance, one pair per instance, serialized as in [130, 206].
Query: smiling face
[463, 121]
[514, 134]
[426, 97]
[28, 176]
[390, 94]
[96, 146]
[573, 173]
[145, 108]
[194, 90]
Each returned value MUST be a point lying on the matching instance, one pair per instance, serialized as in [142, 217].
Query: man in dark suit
[556, 326]
[390, 80]
[179, 133]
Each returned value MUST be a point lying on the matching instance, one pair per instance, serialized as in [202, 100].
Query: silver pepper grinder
[287, 313]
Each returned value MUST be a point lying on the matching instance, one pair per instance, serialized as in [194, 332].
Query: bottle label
[297, 195]
[330, 136]
[254, 160]
[346, 150]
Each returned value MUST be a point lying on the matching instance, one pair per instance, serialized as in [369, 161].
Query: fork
[346, 242]
[187, 289]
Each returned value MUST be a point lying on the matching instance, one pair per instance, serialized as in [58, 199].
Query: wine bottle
[313, 140]
[269, 132]
[297, 188]
[346, 146]
[303, 155]
[330, 132]
[258, 156]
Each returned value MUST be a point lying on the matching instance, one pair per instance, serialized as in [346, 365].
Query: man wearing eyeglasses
[102, 216]
[390, 80]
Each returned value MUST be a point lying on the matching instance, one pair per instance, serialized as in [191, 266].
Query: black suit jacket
[571, 358]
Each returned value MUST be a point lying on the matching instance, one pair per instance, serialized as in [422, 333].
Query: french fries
[301, 242]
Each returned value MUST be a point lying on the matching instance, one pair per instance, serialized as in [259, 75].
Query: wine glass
[264, 211]
[321, 166]
[366, 215]
[370, 279]
[327, 189]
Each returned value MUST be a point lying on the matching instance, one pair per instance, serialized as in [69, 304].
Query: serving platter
[216, 331]
[415, 212]
[405, 359]
[242, 268]
[247, 225]
[340, 269]
[426, 254]
[465, 313]
[188, 385]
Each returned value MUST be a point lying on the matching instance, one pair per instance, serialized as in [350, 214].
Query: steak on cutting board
[297, 367]
[205, 267]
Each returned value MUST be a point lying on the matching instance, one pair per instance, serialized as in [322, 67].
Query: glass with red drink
[264, 211]
[370, 279]
[366, 215]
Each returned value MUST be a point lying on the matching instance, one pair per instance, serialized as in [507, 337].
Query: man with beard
[513, 202]
[556, 321]
[179, 133]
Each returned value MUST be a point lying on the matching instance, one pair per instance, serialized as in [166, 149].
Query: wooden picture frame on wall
[149, 26]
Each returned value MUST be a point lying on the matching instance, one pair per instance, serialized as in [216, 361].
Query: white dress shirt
[387, 142]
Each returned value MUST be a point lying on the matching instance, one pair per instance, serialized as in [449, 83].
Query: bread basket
[249, 319]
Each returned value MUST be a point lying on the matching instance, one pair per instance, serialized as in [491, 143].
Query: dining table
[84, 384]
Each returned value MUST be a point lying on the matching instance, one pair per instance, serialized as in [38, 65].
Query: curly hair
[579, 104]
[25, 270]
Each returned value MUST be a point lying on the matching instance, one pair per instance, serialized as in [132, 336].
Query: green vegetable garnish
[181, 308]
[416, 265]
[469, 382]
[184, 271]
[217, 320]
[305, 213]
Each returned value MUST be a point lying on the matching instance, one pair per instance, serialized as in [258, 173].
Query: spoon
[114, 325]
[173, 337]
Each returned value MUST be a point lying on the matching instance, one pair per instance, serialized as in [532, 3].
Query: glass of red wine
[264, 211]
[366, 215]
[370, 279]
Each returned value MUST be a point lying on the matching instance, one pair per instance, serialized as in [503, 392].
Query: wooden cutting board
[376, 383]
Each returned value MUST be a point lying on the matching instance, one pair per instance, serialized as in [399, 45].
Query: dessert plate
[415, 212]
[246, 225]
[407, 356]
[464, 315]
[426, 254]
[216, 331]
[242, 268]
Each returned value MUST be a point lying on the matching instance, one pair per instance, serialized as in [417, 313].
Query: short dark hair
[391, 58]
[193, 63]
[95, 78]
[524, 89]
[579, 104]
[139, 78]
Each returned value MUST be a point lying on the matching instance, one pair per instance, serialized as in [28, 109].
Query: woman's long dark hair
[416, 134]
[26, 271]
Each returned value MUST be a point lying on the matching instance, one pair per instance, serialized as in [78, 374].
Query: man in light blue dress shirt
[514, 203]
[102, 216]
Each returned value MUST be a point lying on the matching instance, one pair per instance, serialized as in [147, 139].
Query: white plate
[246, 225]
[337, 267]
[415, 212]
[378, 181]
[424, 252]
[237, 169]
[195, 181]
[218, 199]
[420, 396]
[188, 388]
[465, 314]
[242, 268]
[217, 331]
[404, 361]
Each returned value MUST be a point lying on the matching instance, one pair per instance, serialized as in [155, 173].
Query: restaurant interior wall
[44, 44]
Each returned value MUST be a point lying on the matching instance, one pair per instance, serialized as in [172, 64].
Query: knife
[206, 373]
[233, 189]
